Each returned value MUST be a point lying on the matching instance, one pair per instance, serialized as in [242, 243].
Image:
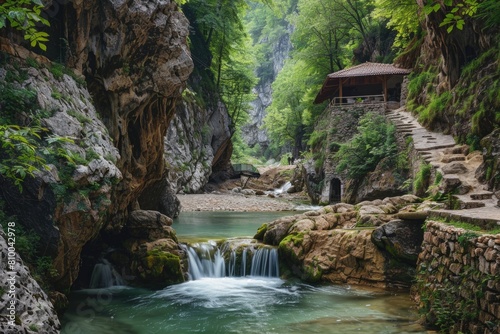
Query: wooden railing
[362, 99]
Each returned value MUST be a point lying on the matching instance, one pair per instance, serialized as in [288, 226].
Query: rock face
[24, 306]
[78, 187]
[338, 243]
[135, 61]
[135, 80]
[154, 256]
[402, 239]
[252, 132]
[489, 171]
[196, 141]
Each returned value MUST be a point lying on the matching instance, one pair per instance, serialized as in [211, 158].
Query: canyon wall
[125, 67]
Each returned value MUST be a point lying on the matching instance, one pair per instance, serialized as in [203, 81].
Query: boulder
[278, 229]
[454, 168]
[400, 238]
[148, 225]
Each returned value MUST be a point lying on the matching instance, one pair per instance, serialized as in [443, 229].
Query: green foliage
[242, 153]
[13, 100]
[374, 141]
[79, 116]
[20, 158]
[418, 82]
[402, 16]
[465, 238]
[488, 13]
[24, 15]
[24, 147]
[421, 181]
[455, 14]
[435, 109]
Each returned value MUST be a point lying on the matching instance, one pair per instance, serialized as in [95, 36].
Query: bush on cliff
[374, 141]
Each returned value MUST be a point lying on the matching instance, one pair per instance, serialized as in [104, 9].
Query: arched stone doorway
[335, 190]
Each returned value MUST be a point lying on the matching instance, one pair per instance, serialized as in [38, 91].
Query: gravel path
[234, 202]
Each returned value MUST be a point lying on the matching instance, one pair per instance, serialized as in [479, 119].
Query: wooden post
[340, 90]
[385, 87]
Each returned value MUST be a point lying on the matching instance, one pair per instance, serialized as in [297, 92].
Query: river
[238, 304]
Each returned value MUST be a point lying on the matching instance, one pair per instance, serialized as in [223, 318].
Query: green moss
[296, 238]
[164, 265]
[260, 232]
[312, 273]
[286, 245]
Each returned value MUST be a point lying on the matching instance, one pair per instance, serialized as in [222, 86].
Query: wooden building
[367, 82]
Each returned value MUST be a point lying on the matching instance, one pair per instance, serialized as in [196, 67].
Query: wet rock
[148, 225]
[402, 239]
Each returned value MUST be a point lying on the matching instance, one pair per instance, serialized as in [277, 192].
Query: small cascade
[209, 260]
[265, 263]
[284, 188]
[105, 276]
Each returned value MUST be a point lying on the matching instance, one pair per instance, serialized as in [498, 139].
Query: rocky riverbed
[235, 202]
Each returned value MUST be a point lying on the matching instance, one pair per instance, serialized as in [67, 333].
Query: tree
[289, 114]
[320, 35]
[24, 15]
[402, 16]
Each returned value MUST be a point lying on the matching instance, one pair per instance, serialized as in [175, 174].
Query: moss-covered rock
[161, 268]
[260, 232]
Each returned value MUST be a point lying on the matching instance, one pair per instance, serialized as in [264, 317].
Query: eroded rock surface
[32, 309]
[341, 243]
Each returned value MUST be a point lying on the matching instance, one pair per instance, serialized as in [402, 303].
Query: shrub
[374, 141]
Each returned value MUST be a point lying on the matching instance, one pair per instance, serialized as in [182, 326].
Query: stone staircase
[454, 162]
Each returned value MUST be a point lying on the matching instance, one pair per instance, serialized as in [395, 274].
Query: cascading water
[208, 260]
[282, 190]
[105, 276]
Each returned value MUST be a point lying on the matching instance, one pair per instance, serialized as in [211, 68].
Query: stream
[224, 297]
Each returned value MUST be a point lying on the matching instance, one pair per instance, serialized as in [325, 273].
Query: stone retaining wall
[458, 279]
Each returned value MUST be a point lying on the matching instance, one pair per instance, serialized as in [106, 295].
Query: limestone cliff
[198, 139]
[252, 132]
[455, 83]
[126, 64]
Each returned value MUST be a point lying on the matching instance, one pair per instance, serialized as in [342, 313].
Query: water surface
[249, 304]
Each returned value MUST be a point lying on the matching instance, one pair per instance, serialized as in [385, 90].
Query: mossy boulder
[161, 268]
[260, 232]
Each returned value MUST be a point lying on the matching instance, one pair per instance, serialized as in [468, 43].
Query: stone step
[482, 195]
[464, 205]
[453, 157]
[450, 182]
[423, 147]
[458, 149]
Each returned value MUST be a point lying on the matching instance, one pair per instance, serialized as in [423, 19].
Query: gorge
[131, 105]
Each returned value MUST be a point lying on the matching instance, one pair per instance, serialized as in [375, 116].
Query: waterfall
[282, 190]
[105, 276]
[209, 260]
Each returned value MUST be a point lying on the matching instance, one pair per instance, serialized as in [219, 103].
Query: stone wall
[458, 280]
[341, 122]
